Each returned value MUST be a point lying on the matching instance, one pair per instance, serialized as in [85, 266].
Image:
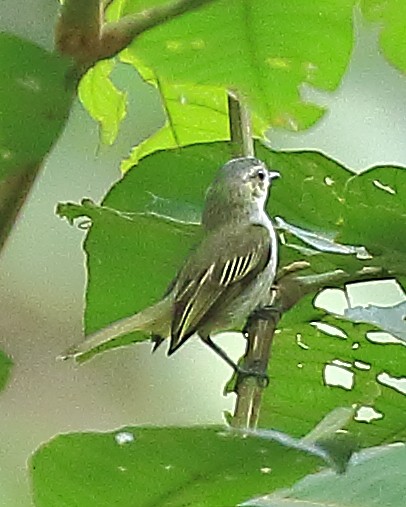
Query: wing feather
[187, 299]
[203, 289]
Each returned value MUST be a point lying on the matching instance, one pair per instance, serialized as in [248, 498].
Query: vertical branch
[240, 127]
[14, 190]
[78, 31]
[248, 389]
[289, 290]
[259, 333]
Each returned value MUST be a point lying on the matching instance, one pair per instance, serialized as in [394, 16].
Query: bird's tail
[154, 319]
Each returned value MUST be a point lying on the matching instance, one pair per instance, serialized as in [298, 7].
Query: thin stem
[82, 34]
[78, 30]
[240, 126]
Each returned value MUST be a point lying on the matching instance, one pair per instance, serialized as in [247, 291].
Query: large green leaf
[265, 50]
[148, 223]
[368, 209]
[35, 97]
[300, 392]
[376, 479]
[132, 259]
[175, 467]
[165, 184]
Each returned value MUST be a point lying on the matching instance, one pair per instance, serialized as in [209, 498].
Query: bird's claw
[261, 377]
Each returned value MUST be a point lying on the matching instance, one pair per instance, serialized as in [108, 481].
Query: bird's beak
[273, 175]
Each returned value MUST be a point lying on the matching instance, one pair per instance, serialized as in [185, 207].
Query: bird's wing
[215, 275]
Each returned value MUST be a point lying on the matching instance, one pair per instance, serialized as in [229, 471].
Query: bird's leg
[267, 312]
[237, 369]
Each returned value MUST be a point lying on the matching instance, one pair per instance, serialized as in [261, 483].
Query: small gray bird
[226, 277]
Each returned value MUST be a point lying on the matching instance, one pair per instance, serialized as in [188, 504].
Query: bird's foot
[261, 377]
[268, 313]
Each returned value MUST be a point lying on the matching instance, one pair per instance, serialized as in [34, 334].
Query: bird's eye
[261, 175]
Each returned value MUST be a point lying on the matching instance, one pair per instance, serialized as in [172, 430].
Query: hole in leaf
[337, 376]
[399, 384]
[382, 338]
[124, 437]
[338, 362]
[377, 292]
[367, 414]
[329, 329]
[300, 343]
[332, 301]
[386, 188]
[362, 366]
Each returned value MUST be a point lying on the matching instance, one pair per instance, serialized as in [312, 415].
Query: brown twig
[82, 34]
[14, 190]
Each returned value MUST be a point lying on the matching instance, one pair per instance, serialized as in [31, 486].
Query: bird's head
[239, 191]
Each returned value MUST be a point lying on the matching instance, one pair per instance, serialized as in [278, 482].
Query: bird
[225, 278]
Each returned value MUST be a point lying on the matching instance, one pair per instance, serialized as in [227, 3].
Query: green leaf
[366, 210]
[265, 50]
[310, 192]
[36, 92]
[325, 440]
[305, 353]
[105, 103]
[141, 234]
[375, 479]
[161, 466]
[195, 114]
[5, 367]
[166, 184]
[146, 226]
[392, 38]
[374, 214]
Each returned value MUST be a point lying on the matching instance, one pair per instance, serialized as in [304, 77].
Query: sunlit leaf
[256, 52]
[105, 103]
